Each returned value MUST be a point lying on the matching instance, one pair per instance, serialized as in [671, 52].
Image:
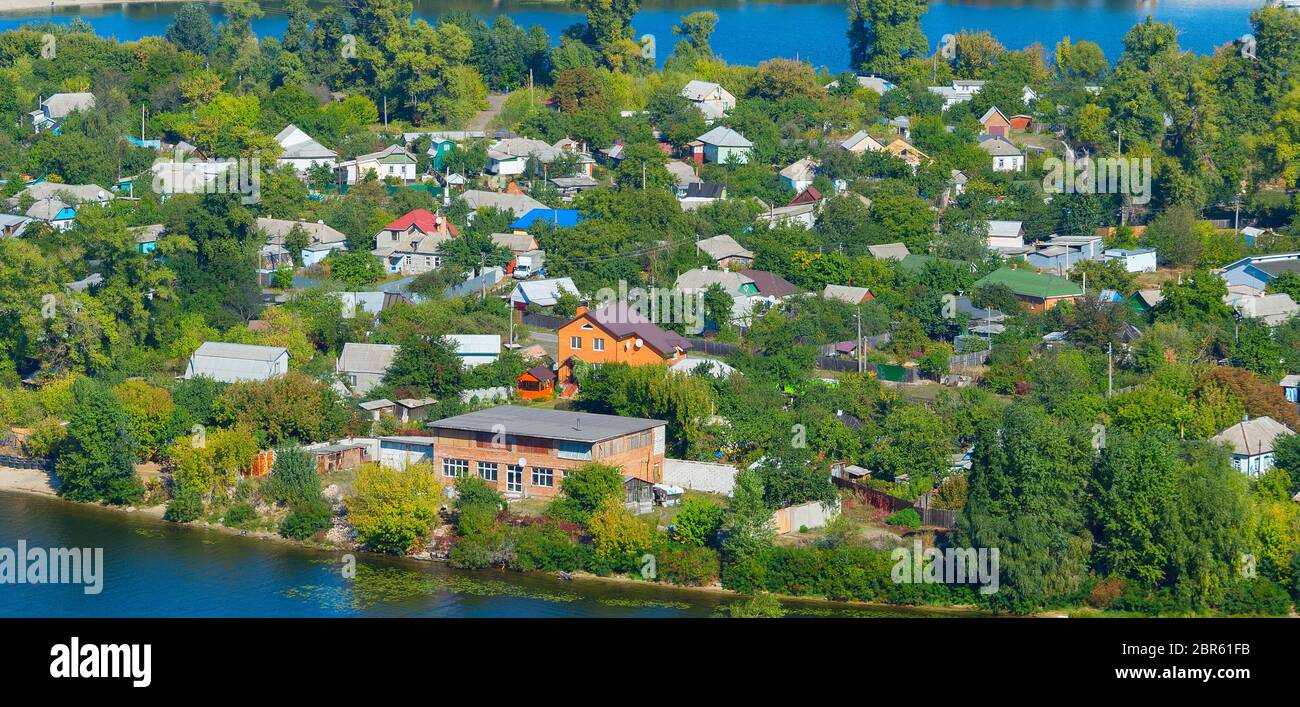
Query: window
[573, 450]
[598, 344]
[455, 467]
[543, 477]
[487, 471]
[575, 342]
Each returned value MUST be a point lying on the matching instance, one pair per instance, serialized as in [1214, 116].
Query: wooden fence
[711, 347]
[975, 358]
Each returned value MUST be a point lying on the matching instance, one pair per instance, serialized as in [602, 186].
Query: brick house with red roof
[411, 245]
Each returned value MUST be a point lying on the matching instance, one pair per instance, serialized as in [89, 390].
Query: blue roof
[563, 218]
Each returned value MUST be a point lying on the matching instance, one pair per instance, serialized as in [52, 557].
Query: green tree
[584, 489]
[698, 522]
[393, 510]
[97, 461]
[884, 33]
[429, 366]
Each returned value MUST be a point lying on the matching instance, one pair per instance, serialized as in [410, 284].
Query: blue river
[749, 32]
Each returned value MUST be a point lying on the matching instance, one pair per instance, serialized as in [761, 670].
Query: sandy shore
[28, 5]
[26, 481]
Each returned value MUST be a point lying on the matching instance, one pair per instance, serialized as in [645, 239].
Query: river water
[749, 32]
[156, 568]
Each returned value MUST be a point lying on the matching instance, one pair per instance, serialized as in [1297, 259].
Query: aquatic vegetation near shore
[392, 585]
[645, 603]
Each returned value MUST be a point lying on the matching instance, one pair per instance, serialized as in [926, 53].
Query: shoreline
[37, 483]
[27, 6]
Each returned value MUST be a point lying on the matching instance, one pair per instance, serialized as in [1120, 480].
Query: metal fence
[711, 347]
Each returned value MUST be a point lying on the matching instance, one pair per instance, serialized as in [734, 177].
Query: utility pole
[1110, 371]
[859, 346]
[385, 110]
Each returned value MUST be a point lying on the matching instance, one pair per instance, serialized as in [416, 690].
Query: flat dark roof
[565, 425]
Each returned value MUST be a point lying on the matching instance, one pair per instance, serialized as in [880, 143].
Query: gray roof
[366, 358]
[889, 251]
[724, 246]
[519, 204]
[547, 424]
[277, 229]
[243, 352]
[723, 136]
[1252, 437]
[998, 146]
[61, 104]
[845, 293]
[296, 144]
[72, 193]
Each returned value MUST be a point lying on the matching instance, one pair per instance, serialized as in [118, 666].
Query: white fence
[700, 476]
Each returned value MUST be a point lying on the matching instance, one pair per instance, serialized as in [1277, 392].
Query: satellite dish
[639, 343]
[522, 462]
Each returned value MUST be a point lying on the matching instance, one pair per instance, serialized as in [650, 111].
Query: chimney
[580, 310]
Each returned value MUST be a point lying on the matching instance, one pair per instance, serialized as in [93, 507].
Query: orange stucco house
[616, 333]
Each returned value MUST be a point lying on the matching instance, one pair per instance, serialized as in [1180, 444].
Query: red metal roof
[424, 220]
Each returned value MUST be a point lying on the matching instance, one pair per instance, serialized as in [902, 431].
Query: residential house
[802, 214]
[800, 175]
[517, 243]
[70, 194]
[616, 333]
[12, 226]
[957, 92]
[772, 288]
[1291, 388]
[509, 157]
[1005, 156]
[300, 151]
[557, 218]
[996, 123]
[197, 176]
[146, 237]
[1145, 300]
[231, 363]
[738, 286]
[476, 349]
[537, 383]
[1006, 235]
[861, 142]
[59, 106]
[712, 100]
[905, 151]
[871, 82]
[367, 302]
[684, 176]
[807, 197]
[569, 187]
[1272, 309]
[517, 204]
[1038, 291]
[1252, 442]
[1133, 260]
[888, 251]
[412, 244]
[363, 366]
[697, 194]
[726, 252]
[321, 239]
[526, 451]
[543, 293]
[57, 214]
[1259, 270]
[848, 294]
[392, 161]
[722, 145]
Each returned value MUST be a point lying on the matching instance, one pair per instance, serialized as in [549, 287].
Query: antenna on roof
[577, 423]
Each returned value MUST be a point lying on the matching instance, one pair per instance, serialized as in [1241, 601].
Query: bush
[908, 518]
[697, 523]
[187, 505]
[686, 565]
[477, 505]
[544, 547]
[470, 553]
[293, 480]
[305, 520]
[239, 514]
[393, 510]
[583, 490]
[1255, 597]
[1105, 592]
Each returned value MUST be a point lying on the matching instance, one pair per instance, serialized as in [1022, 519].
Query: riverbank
[39, 483]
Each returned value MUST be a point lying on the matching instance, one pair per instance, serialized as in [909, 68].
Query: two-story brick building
[525, 451]
[616, 333]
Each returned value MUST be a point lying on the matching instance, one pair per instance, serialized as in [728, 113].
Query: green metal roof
[1027, 283]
